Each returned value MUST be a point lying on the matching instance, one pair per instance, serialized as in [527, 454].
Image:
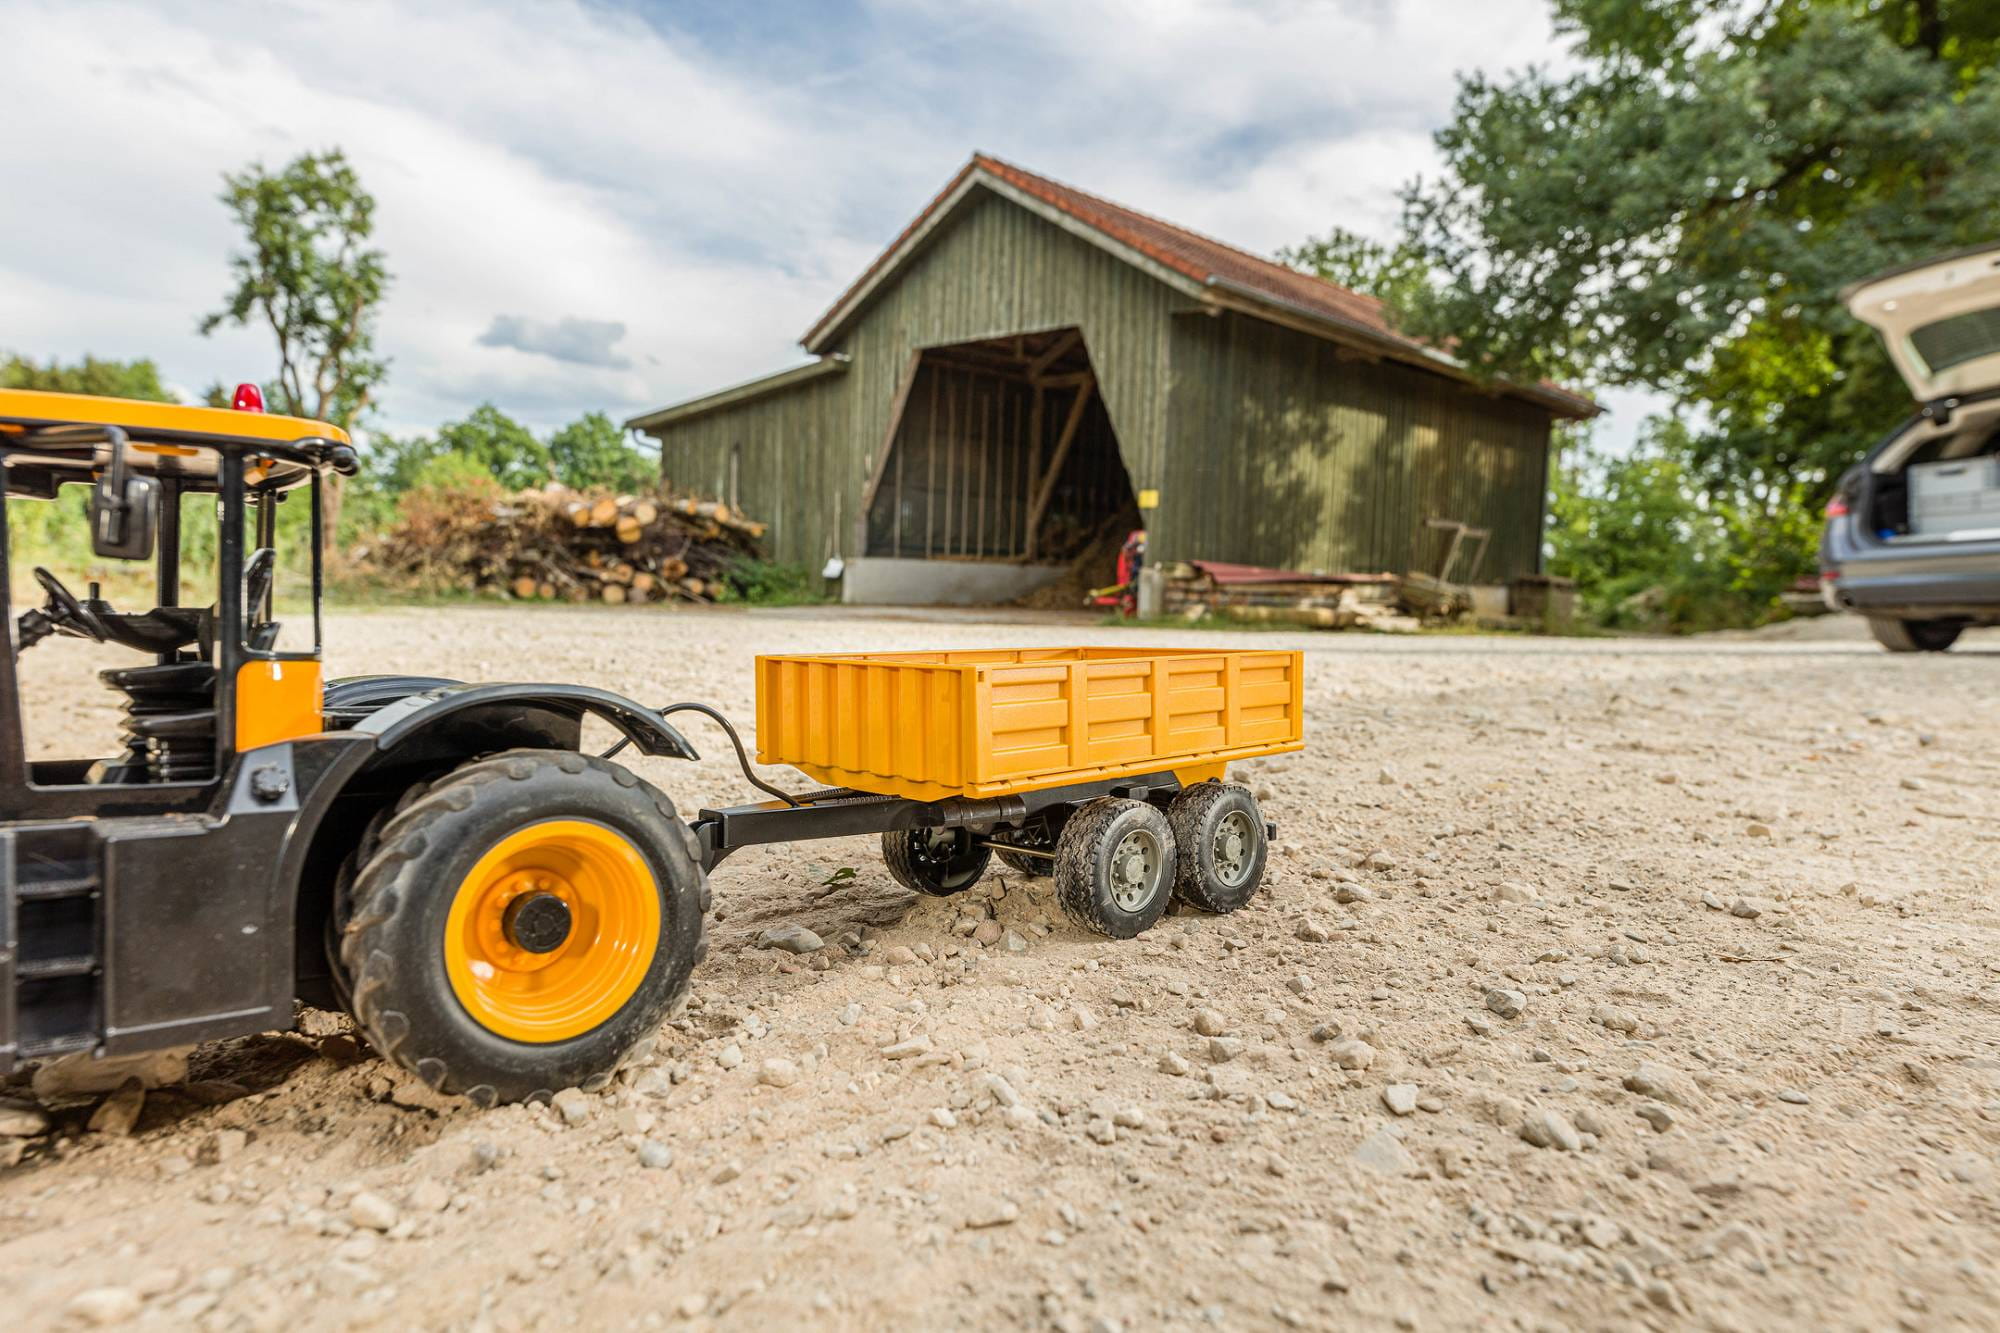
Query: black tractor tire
[393, 928]
[343, 885]
[1220, 846]
[1114, 867]
[936, 862]
[1914, 636]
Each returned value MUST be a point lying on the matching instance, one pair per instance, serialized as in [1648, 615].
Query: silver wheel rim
[1135, 870]
[1233, 849]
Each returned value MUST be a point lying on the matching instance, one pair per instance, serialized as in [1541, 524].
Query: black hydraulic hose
[742, 757]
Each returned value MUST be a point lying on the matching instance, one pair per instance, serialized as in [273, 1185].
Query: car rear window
[1955, 341]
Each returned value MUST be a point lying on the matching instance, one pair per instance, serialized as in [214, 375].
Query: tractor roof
[47, 439]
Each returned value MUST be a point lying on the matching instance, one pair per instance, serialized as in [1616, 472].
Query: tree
[109, 379]
[591, 451]
[309, 275]
[486, 441]
[1681, 212]
[1396, 274]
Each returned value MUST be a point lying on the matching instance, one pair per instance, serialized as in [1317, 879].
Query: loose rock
[790, 939]
[1352, 1053]
[116, 1114]
[1551, 1129]
[1384, 1154]
[988, 1210]
[372, 1212]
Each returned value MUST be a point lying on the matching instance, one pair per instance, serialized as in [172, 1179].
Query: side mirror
[124, 509]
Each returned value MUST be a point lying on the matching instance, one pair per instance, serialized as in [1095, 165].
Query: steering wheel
[263, 563]
[65, 611]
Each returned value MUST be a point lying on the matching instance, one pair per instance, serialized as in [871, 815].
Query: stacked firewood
[556, 544]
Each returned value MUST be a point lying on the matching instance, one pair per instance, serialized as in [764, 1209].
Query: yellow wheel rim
[531, 971]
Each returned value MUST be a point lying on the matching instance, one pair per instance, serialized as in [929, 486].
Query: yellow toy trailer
[1101, 766]
[503, 914]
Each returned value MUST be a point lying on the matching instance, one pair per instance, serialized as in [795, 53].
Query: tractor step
[51, 942]
[69, 965]
[70, 886]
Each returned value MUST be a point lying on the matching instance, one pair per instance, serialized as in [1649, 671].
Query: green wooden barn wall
[1267, 446]
[1284, 450]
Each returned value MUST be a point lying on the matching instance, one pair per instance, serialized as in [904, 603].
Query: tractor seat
[177, 678]
[170, 719]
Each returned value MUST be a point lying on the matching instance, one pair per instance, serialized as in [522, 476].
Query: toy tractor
[504, 915]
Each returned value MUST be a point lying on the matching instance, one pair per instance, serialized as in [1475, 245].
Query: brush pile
[556, 544]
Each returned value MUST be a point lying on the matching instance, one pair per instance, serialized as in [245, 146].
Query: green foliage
[1397, 274]
[108, 379]
[771, 583]
[591, 451]
[486, 441]
[1651, 547]
[1681, 211]
[588, 452]
[309, 275]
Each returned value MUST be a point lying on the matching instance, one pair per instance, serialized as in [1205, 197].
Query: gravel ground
[1595, 983]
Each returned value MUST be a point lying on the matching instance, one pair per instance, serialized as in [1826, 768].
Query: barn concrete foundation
[888, 581]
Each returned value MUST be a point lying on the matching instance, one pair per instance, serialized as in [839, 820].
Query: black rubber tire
[914, 859]
[1034, 867]
[343, 886]
[1914, 636]
[391, 937]
[1083, 866]
[1196, 815]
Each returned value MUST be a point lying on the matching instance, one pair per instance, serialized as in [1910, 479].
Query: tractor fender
[480, 718]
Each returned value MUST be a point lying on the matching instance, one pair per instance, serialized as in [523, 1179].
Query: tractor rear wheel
[522, 925]
[937, 862]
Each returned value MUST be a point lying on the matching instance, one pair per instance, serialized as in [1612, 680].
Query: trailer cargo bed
[992, 722]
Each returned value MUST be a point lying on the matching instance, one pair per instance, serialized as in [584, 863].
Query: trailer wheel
[1220, 846]
[522, 925]
[935, 861]
[1114, 866]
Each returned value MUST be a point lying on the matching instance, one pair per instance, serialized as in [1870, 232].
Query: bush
[1652, 550]
[772, 583]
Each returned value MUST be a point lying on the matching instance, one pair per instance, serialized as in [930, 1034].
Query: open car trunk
[1939, 481]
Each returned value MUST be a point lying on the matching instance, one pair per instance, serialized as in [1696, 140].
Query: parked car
[1912, 536]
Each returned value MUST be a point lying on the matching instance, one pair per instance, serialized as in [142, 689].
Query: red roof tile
[1199, 258]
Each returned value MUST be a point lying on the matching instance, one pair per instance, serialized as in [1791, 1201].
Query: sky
[614, 206]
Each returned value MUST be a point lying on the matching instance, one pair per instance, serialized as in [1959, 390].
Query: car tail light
[249, 398]
[1837, 507]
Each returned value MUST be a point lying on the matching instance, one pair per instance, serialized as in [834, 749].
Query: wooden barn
[1029, 370]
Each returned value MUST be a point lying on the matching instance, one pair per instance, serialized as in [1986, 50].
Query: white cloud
[573, 161]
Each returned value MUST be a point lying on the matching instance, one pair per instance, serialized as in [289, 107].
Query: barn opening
[1001, 451]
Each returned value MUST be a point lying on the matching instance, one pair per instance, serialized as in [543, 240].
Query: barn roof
[1203, 268]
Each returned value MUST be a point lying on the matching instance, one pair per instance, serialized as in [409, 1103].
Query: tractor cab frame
[217, 684]
[183, 889]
